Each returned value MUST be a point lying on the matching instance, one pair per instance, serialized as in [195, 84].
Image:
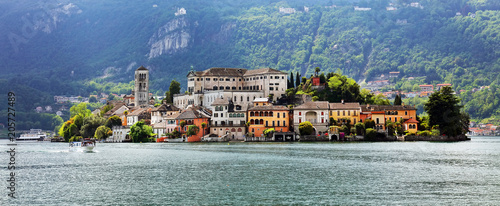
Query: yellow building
[264, 115]
[380, 114]
[342, 111]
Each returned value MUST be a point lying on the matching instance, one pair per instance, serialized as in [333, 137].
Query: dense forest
[88, 47]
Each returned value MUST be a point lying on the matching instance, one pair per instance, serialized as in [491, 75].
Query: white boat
[33, 135]
[86, 145]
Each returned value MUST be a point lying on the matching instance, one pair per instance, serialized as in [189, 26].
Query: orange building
[264, 115]
[380, 114]
[411, 125]
[194, 116]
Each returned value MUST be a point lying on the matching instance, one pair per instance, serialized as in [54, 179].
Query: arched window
[215, 87]
[239, 130]
[227, 88]
[252, 114]
[221, 88]
[252, 121]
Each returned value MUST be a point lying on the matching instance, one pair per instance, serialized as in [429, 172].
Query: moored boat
[33, 135]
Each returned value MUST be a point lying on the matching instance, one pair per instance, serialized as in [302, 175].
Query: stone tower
[141, 88]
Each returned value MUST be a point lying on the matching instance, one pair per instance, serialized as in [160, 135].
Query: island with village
[236, 104]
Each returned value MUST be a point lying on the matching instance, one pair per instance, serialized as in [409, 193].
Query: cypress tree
[397, 100]
[297, 80]
[291, 80]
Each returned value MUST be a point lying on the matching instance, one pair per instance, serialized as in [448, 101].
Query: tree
[92, 99]
[316, 71]
[192, 130]
[297, 80]
[140, 132]
[369, 123]
[103, 132]
[292, 82]
[306, 128]
[397, 100]
[80, 109]
[175, 88]
[203, 126]
[113, 121]
[360, 128]
[444, 110]
[90, 125]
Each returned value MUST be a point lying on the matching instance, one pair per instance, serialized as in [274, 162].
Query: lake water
[401, 173]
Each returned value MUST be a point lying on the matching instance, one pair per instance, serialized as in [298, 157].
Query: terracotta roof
[191, 113]
[165, 107]
[268, 108]
[411, 121]
[217, 71]
[346, 105]
[137, 112]
[220, 101]
[173, 116]
[427, 85]
[443, 85]
[141, 68]
[313, 105]
[263, 71]
[372, 108]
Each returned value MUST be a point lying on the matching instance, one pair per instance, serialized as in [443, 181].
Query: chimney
[342, 101]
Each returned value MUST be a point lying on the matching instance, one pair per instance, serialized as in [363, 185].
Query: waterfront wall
[436, 138]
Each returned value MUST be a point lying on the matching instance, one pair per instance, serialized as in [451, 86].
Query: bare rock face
[170, 38]
[48, 19]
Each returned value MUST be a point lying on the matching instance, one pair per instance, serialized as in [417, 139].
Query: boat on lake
[87, 145]
[33, 135]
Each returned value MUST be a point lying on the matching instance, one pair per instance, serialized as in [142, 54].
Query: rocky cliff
[172, 37]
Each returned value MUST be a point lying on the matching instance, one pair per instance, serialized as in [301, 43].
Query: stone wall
[436, 138]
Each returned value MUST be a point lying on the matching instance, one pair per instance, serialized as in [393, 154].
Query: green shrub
[424, 133]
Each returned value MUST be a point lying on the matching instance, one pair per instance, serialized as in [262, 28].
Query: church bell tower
[141, 94]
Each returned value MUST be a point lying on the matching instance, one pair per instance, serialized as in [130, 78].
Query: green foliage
[370, 134]
[103, 132]
[140, 132]
[444, 110]
[306, 128]
[397, 100]
[192, 130]
[269, 131]
[106, 109]
[90, 125]
[424, 133]
[92, 99]
[113, 121]
[369, 124]
[80, 109]
[360, 128]
[175, 88]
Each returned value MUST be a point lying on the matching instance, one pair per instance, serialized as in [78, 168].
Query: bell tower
[141, 88]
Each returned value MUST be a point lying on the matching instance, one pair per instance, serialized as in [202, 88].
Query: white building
[240, 85]
[314, 112]
[180, 11]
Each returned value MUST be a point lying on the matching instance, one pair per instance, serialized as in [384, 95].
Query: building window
[278, 115]
[354, 113]
[284, 123]
[322, 113]
[349, 113]
[278, 122]
[343, 113]
[284, 115]
[300, 113]
[406, 112]
[338, 113]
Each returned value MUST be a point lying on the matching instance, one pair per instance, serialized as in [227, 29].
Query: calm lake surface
[400, 173]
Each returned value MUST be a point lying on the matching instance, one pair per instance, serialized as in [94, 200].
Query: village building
[380, 114]
[264, 115]
[193, 116]
[228, 119]
[164, 110]
[315, 112]
[345, 112]
[439, 86]
[240, 85]
[426, 88]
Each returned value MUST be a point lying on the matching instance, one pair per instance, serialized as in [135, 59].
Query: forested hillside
[71, 47]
